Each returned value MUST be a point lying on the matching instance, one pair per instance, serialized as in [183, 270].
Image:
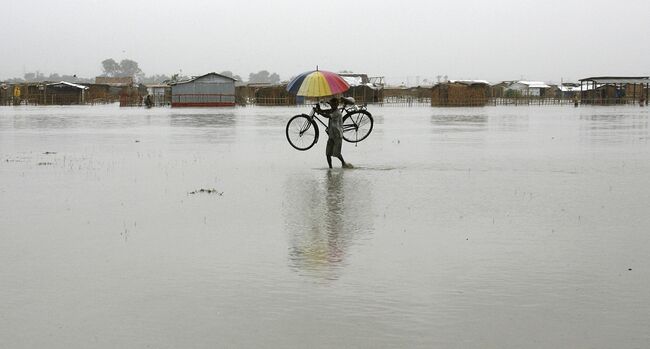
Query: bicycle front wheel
[302, 132]
[357, 125]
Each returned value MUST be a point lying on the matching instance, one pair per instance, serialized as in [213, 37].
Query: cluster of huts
[104, 90]
[216, 90]
[209, 90]
[593, 90]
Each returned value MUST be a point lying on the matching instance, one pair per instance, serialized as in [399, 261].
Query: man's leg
[329, 149]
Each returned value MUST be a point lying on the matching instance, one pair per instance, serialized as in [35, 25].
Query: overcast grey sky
[471, 39]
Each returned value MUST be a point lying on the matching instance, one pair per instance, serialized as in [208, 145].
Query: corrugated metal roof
[565, 88]
[534, 84]
[353, 80]
[470, 82]
[69, 84]
[194, 78]
[618, 79]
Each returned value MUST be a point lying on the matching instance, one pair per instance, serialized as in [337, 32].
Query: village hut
[529, 88]
[402, 94]
[64, 93]
[499, 90]
[99, 93]
[160, 94]
[363, 89]
[5, 94]
[614, 89]
[600, 94]
[274, 95]
[29, 93]
[209, 90]
[242, 94]
[118, 85]
[568, 90]
[460, 93]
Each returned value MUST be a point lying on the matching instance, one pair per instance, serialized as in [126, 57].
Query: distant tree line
[131, 68]
[264, 76]
[54, 77]
[126, 67]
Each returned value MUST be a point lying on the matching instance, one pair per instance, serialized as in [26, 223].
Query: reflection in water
[43, 122]
[212, 119]
[459, 123]
[615, 128]
[216, 126]
[325, 217]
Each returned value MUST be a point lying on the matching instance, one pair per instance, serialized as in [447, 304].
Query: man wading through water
[334, 132]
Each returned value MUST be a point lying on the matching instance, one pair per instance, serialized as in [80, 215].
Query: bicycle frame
[314, 112]
[355, 118]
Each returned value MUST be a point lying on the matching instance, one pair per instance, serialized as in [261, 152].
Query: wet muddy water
[515, 227]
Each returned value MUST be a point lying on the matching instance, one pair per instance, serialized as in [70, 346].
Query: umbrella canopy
[317, 83]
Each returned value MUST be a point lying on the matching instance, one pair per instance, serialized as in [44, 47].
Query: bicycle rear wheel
[357, 125]
[302, 132]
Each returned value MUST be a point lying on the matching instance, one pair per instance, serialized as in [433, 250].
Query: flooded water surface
[458, 228]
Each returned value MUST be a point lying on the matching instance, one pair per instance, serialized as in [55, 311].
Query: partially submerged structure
[64, 93]
[113, 88]
[364, 89]
[273, 94]
[568, 90]
[209, 90]
[407, 95]
[6, 92]
[262, 93]
[461, 93]
[160, 94]
[614, 89]
[43, 93]
[524, 88]
[499, 90]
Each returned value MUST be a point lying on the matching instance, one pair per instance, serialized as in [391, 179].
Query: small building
[614, 89]
[274, 94]
[364, 89]
[209, 90]
[99, 94]
[461, 93]
[568, 90]
[119, 88]
[263, 93]
[401, 94]
[5, 94]
[499, 90]
[161, 94]
[529, 88]
[64, 93]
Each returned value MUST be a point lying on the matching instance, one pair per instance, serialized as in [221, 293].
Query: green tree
[274, 78]
[130, 67]
[263, 76]
[230, 74]
[126, 67]
[110, 67]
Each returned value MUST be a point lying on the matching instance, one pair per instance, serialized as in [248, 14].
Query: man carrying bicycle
[334, 132]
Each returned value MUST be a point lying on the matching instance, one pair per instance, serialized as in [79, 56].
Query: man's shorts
[333, 146]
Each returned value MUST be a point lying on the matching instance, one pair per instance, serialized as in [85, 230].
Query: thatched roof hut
[362, 89]
[5, 93]
[461, 93]
[274, 95]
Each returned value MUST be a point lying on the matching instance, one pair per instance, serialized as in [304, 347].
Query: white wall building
[529, 88]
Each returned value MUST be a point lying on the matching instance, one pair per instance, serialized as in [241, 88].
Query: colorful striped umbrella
[317, 83]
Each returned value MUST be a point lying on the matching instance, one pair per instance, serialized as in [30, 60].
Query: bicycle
[302, 130]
